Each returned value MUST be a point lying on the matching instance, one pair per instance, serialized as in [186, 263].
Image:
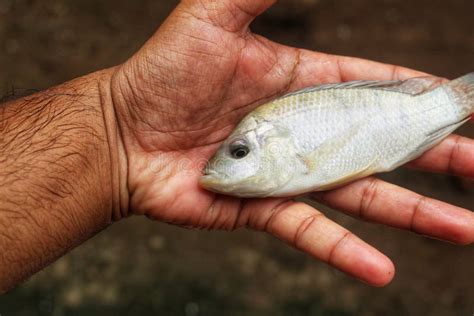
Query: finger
[230, 15]
[453, 155]
[332, 68]
[307, 229]
[351, 68]
[385, 203]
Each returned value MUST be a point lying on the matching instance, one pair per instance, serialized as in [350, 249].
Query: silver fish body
[322, 137]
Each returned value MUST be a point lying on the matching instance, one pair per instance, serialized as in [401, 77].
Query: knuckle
[369, 195]
[337, 245]
[303, 228]
[418, 206]
[271, 217]
[454, 154]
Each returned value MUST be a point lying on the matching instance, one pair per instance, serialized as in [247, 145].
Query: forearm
[58, 174]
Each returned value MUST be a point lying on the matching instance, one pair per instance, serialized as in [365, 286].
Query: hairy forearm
[58, 174]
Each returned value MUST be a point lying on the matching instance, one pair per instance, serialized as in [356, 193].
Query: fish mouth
[210, 182]
[208, 171]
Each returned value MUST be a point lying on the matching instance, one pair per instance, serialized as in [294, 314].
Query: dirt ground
[139, 267]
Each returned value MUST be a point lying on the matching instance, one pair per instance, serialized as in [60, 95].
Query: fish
[325, 136]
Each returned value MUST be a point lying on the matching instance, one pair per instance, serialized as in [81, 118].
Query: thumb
[231, 15]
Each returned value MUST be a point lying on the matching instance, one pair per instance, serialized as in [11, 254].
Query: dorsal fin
[413, 86]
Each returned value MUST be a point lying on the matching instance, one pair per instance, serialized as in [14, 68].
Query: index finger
[333, 68]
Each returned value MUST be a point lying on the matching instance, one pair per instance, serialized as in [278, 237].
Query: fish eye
[239, 150]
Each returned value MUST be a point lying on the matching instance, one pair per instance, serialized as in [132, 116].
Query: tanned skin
[133, 139]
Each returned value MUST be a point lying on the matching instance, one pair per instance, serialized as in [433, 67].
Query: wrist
[118, 161]
[126, 98]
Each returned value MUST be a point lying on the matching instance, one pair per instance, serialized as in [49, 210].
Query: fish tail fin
[463, 89]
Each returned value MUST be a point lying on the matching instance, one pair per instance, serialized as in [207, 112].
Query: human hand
[187, 88]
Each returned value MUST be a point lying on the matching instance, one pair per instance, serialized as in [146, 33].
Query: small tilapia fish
[325, 136]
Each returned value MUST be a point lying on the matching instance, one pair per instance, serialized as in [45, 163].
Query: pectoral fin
[325, 151]
[361, 173]
[316, 161]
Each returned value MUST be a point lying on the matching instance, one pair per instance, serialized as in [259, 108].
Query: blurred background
[138, 267]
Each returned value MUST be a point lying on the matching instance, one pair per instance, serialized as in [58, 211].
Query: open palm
[187, 88]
